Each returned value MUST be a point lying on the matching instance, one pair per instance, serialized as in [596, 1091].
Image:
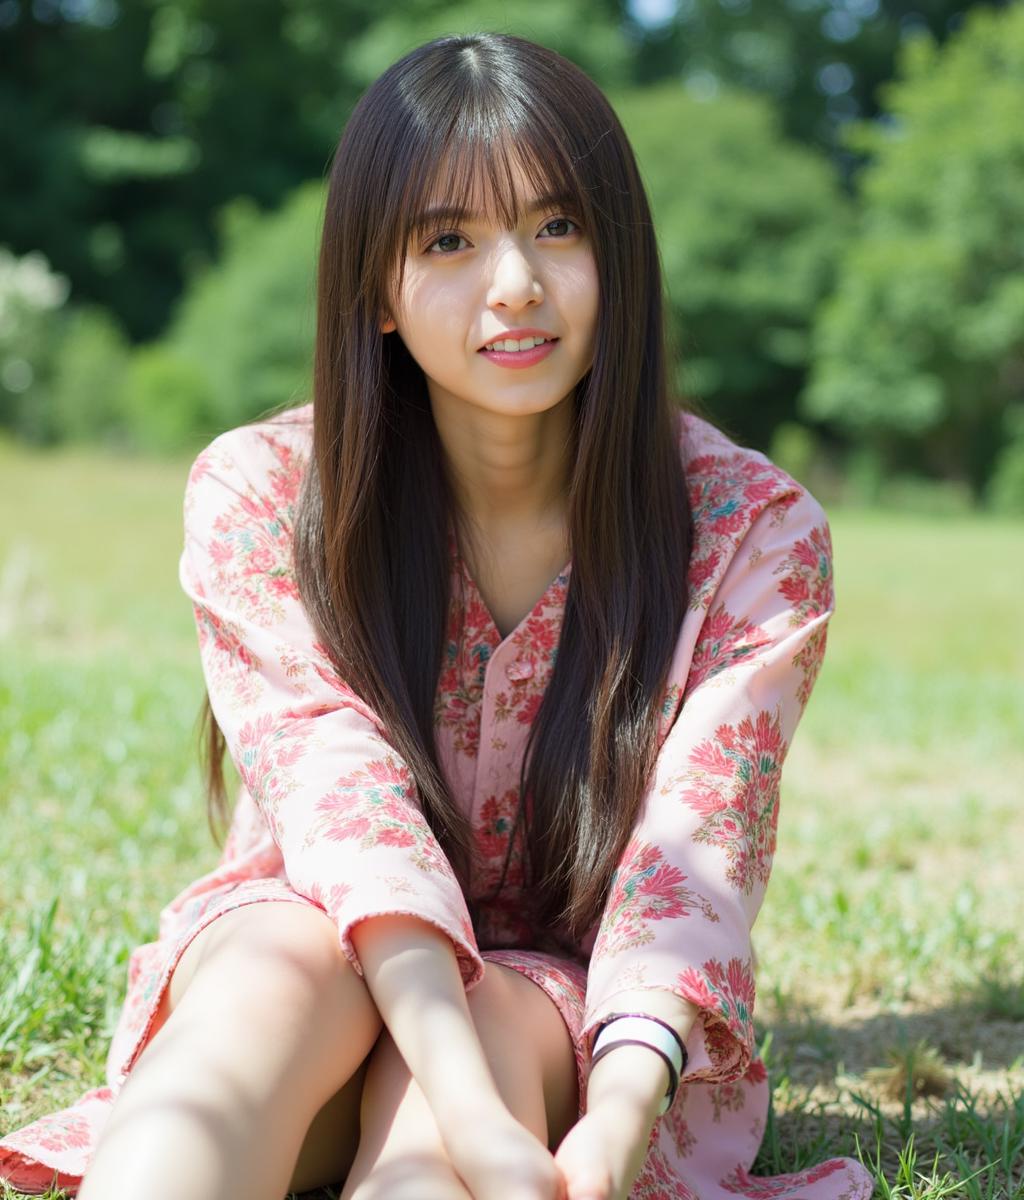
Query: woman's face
[471, 283]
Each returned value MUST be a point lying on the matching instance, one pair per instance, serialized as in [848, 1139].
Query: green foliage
[796, 449]
[245, 327]
[1005, 491]
[32, 297]
[819, 62]
[89, 376]
[577, 29]
[920, 348]
[168, 402]
[749, 226]
[137, 122]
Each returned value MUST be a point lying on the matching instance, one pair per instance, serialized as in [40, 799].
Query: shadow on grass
[931, 1101]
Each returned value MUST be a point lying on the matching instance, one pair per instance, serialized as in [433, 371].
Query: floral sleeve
[339, 801]
[693, 875]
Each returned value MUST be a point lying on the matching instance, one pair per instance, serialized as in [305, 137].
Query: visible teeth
[526, 343]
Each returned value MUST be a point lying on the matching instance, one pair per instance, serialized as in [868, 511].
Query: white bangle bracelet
[631, 1030]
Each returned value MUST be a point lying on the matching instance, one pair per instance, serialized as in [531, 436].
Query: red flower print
[808, 585]
[698, 990]
[657, 1180]
[261, 560]
[331, 900]
[375, 805]
[677, 1127]
[703, 569]
[725, 994]
[251, 549]
[757, 1072]
[732, 782]
[284, 480]
[63, 1131]
[395, 837]
[201, 467]
[644, 888]
[494, 824]
[262, 749]
[727, 492]
[526, 713]
[221, 641]
[765, 1187]
[727, 1097]
[724, 641]
[283, 586]
[807, 575]
[220, 553]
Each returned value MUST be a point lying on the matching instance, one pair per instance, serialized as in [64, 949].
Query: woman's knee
[400, 1153]
[275, 951]
[274, 969]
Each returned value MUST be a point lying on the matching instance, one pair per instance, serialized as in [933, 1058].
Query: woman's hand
[498, 1158]
[602, 1155]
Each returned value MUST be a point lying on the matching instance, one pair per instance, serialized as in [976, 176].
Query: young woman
[508, 648]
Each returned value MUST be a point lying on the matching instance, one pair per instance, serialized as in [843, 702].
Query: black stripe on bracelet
[647, 1017]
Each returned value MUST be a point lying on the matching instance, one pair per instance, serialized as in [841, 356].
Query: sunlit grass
[890, 937]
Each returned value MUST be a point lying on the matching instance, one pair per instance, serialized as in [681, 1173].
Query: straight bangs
[475, 180]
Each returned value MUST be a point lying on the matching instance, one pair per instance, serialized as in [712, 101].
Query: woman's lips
[519, 358]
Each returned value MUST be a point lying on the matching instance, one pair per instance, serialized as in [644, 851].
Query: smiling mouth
[516, 345]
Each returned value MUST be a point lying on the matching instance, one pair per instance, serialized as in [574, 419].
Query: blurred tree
[820, 61]
[920, 352]
[248, 322]
[750, 226]
[32, 320]
[89, 376]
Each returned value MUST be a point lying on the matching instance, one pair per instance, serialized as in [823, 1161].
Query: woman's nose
[514, 281]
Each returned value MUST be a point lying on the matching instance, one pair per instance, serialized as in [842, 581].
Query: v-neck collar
[494, 633]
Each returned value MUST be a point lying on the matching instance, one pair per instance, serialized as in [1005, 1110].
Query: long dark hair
[371, 550]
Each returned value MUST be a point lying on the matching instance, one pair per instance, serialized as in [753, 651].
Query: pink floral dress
[328, 813]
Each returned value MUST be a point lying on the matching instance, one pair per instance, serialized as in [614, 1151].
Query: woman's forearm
[412, 973]
[635, 1076]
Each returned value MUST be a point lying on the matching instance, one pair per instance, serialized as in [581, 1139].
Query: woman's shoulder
[739, 497]
[730, 484]
[264, 459]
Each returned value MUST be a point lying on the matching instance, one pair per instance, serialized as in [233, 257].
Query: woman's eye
[446, 243]
[443, 237]
[561, 221]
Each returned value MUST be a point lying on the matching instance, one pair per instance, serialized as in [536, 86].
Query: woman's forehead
[490, 181]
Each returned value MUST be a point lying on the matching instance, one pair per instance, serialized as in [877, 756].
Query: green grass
[890, 984]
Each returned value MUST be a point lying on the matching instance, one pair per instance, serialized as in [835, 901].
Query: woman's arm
[338, 799]
[410, 969]
[602, 1155]
[634, 1077]
[412, 973]
[693, 875]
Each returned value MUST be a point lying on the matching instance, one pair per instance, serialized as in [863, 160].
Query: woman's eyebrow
[440, 213]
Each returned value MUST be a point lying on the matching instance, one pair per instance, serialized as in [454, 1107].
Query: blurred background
[838, 188]
[838, 191]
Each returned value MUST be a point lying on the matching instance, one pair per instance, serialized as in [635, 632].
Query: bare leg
[401, 1155]
[266, 1026]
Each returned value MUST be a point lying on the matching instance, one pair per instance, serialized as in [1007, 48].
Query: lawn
[890, 989]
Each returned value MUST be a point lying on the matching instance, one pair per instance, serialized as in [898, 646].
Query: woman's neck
[509, 472]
